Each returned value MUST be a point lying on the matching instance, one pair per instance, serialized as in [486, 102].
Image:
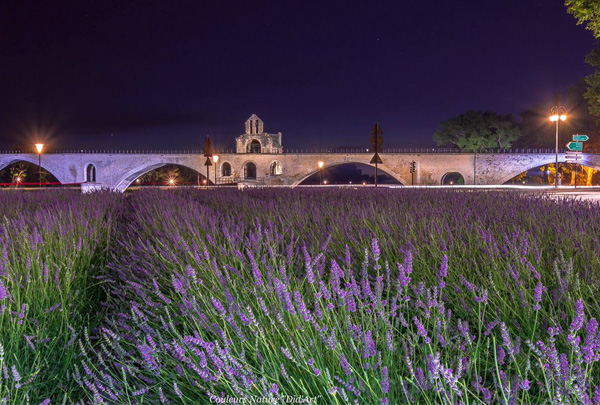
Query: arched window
[250, 126]
[256, 126]
[90, 173]
[226, 169]
[254, 146]
[275, 169]
[250, 171]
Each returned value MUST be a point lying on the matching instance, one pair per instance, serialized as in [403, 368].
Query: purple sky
[149, 74]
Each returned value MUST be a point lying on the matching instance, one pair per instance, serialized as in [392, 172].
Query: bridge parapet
[297, 151]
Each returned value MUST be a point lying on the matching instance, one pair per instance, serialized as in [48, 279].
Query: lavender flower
[345, 365]
[537, 295]
[15, 374]
[579, 317]
[369, 349]
[3, 292]
[443, 273]
[421, 330]
[385, 380]
[375, 250]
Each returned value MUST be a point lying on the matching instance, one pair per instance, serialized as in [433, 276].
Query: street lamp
[216, 160]
[557, 114]
[321, 164]
[39, 147]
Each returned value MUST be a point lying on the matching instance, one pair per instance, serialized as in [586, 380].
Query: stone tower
[256, 140]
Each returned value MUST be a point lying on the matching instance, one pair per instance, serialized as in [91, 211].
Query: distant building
[256, 140]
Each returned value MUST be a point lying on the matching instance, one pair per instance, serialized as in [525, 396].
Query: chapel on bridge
[256, 140]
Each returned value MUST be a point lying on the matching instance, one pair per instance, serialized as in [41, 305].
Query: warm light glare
[216, 158]
[39, 147]
[554, 118]
[563, 117]
[18, 179]
[321, 164]
[171, 181]
[325, 182]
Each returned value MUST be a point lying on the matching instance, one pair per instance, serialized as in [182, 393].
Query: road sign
[377, 138]
[575, 146]
[208, 150]
[580, 138]
[376, 159]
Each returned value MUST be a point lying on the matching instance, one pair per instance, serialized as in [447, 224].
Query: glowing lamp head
[18, 179]
[324, 181]
[216, 158]
[321, 164]
[39, 147]
[563, 117]
[554, 118]
[171, 181]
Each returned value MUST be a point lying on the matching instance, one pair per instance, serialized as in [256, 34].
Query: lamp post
[216, 160]
[321, 164]
[557, 114]
[39, 147]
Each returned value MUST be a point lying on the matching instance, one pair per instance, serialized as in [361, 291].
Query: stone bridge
[118, 170]
[260, 158]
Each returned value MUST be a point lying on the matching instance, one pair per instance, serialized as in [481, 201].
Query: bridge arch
[33, 161]
[525, 168]
[381, 167]
[126, 180]
[452, 178]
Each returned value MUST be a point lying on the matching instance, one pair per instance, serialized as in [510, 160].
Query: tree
[538, 132]
[587, 12]
[592, 94]
[474, 131]
[18, 172]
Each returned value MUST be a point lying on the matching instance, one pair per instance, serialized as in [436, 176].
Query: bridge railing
[121, 151]
[298, 151]
[430, 150]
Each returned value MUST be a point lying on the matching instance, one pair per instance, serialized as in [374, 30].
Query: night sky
[163, 74]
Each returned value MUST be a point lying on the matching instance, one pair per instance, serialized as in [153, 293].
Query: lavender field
[298, 296]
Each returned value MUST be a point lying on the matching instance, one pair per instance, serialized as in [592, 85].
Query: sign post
[412, 173]
[576, 146]
[376, 144]
[208, 152]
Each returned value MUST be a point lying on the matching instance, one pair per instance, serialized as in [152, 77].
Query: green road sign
[580, 138]
[575, 146]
